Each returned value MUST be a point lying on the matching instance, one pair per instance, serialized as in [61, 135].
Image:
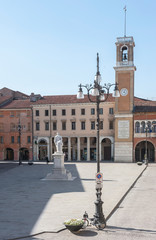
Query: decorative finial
[97, 63]
[125, 22]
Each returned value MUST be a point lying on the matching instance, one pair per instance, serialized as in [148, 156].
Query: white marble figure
[58, 142]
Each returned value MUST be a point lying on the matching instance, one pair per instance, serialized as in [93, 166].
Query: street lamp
[19, 131]
[97, 93]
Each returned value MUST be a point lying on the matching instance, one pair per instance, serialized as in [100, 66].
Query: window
[111, 124]
[92, 125]
[12, 139]
[154, 126]
[37, 113]
[137, 127]
[101, 125]
[101, 111]
[12, 114]
[92, 111]
[46, 126]
[63, 112]
[1, 127]
[46, 113]
[142, 127]
[83, 125]
[18, 114]
[1, 114]
[19, 139]
[73, 125]
[1, 139]
[54, 126]
[73, 112]
[37, 126]
[64, 125]
[124, 54]
[111, 111]
[82, 111]
[54, 112]
[29, 139]
[29, 127]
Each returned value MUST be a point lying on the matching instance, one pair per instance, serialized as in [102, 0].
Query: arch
[106, 149]
[74, 149]
[9, 154]
[43, 151]
[140, 150]
[24, 154]
[65, 148]
[92, 148]
[124, 50]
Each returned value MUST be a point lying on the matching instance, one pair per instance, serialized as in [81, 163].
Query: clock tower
[124, 75]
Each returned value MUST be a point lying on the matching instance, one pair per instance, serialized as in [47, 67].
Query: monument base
[59, 172]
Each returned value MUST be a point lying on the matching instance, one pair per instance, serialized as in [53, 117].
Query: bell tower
[124, 75]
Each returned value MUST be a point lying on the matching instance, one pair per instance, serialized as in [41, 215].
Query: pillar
[88, 148]
[78, 149]
[69, 149]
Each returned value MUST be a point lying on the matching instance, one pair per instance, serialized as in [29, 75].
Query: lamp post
[147, 129]
[97, 93]
[19, 131]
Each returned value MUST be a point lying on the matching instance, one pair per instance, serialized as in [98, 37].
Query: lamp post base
[99, 219]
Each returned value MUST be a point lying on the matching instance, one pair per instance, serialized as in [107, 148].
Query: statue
[58, 142]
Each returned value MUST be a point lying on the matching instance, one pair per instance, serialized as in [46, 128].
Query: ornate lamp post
[147, 129]
[97, 93]
[19, 131]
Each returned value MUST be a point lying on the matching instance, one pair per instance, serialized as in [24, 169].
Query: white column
[78, 148]
[88, 148]
[69, 149]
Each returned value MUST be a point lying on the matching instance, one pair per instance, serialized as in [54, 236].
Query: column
[78, 148]
[50, 149]
[69, 149]
[88, 148]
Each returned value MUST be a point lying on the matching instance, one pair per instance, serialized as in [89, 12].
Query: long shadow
[131, 229]
[23, 196]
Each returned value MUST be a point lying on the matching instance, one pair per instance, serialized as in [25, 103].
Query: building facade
[127, 123]
[16, 130]
[75, 121]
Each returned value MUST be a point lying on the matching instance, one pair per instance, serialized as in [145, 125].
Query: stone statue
[58, 142]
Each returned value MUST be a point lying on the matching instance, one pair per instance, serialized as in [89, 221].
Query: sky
[49, 47]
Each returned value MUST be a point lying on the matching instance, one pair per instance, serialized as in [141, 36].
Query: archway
[9, 154]
[24, 154]
[42, 149]
[93, 148]
[140, 150]
[106, 149]
[65, 148]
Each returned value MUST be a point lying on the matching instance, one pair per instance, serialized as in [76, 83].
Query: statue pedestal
[59, 172]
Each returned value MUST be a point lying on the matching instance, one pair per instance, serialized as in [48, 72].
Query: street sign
[99, 177]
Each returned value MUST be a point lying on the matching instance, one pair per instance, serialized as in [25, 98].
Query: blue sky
[50, 46]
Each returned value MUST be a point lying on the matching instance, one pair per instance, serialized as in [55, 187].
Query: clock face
[123, 91]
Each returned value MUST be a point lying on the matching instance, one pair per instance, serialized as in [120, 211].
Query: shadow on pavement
[24, 196]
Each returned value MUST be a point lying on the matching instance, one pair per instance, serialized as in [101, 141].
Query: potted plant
[74, 225]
